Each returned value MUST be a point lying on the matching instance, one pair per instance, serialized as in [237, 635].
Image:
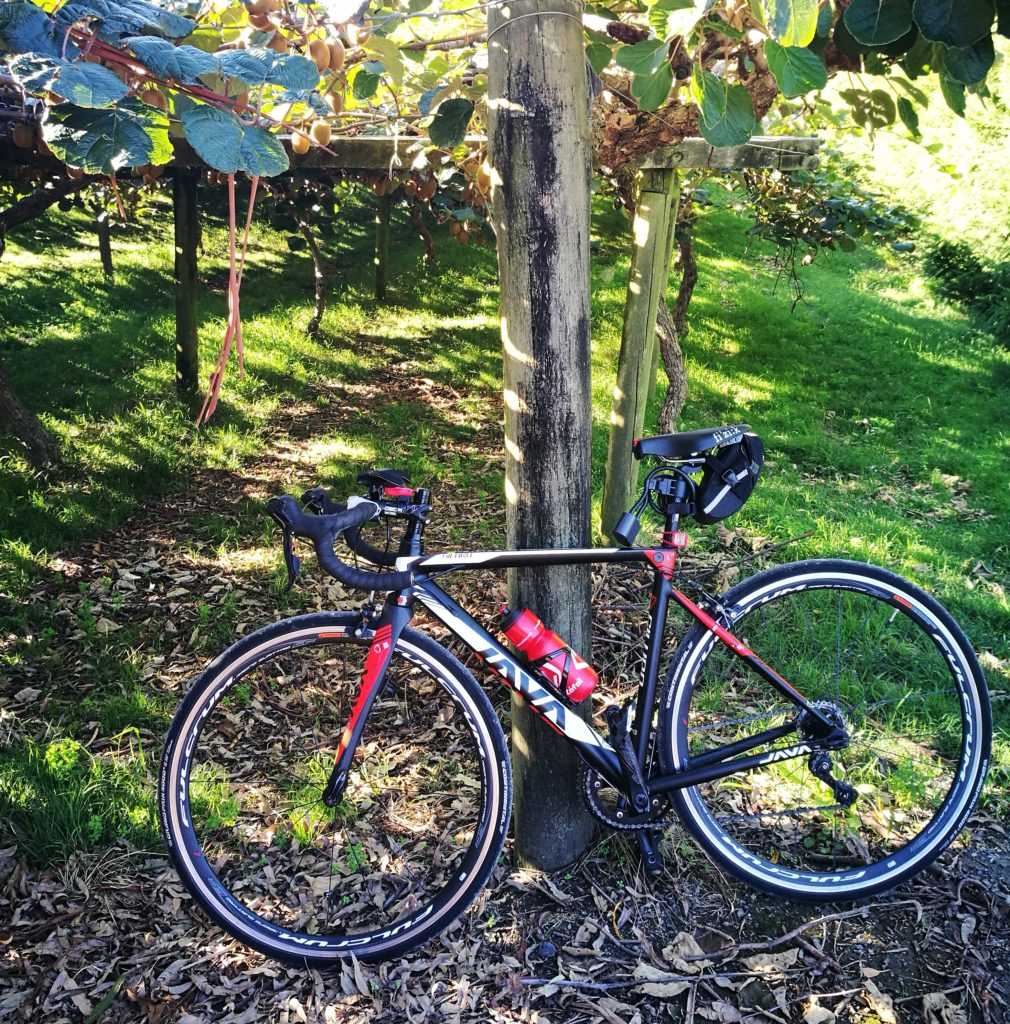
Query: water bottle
[554, 659]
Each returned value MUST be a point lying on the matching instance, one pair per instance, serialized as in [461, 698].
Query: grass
[885, 425]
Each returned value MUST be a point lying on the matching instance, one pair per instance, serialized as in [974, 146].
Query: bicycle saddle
[689, 443]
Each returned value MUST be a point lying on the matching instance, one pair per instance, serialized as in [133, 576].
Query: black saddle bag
[730, 475]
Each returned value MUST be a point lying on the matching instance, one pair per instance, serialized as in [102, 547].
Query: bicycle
[338, 783]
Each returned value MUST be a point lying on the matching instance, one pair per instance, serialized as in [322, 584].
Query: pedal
[820, 766]
[620, 739]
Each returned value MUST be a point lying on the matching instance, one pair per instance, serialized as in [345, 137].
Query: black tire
[886, 658]
[421, 823]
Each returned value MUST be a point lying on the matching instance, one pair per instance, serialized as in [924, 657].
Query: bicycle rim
[415, 835]
[882, 659]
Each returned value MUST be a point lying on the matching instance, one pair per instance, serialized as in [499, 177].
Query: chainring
[593, 786]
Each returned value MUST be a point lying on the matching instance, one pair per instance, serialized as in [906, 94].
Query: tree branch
[38, 202]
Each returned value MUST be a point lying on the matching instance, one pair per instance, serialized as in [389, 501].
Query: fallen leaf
[879, 1002]
[657, 982]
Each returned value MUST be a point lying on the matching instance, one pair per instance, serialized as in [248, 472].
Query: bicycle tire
[416, 835]
[918, 768]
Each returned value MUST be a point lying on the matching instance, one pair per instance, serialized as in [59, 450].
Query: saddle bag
[730, 474]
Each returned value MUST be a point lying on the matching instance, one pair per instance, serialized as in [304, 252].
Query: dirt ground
[113, 936]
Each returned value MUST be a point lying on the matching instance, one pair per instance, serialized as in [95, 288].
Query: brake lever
[291, 560]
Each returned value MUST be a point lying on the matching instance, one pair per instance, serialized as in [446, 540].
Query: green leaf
[24, 28]
[642, 58]
[875, 22]
[85, 85]
[652, 90]
[103, 141]
[366, 85]
[389, 53]
[293, 71]
[251, 66]
[796, 69]
[908, 115]
[953, 93]
[448, 127]
[262, 153]
[791, 22]
[1003, 17]
[969, 64]
[670, 18]
[599, 56]
[954, 22]
[119, 18]
[185, 64]
[727, 113]
[216, 135]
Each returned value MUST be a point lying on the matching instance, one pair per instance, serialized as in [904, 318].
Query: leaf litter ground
[111, 934]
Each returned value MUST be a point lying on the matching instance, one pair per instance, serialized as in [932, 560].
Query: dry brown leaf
[721, 1011]
[938, 1009]
[656, 983]
[879, 1002]
[772, 965]
[684, 944]
[817, 1014]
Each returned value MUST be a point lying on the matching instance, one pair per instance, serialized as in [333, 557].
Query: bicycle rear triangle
[338, 783]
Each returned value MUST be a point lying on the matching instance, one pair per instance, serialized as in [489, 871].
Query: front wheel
[880, 658]
[417, 832]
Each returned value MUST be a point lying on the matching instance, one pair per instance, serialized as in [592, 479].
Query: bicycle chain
[591, 782]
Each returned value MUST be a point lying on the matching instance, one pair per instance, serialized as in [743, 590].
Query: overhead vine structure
[109, 86]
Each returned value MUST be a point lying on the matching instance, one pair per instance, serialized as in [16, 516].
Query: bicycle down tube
[556, 712]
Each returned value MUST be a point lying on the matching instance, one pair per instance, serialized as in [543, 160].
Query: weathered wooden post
[381, 246]
[538, 101]
[651, 235]
[187, 232]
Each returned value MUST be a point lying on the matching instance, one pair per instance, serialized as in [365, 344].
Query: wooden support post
[187, 345]
[538, 102]
[381, 246]
[671, 244]
[647, 278]
[104, 242]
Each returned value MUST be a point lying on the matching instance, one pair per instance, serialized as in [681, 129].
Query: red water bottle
[556, 661]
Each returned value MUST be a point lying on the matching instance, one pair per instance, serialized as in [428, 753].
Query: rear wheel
[877, 656]
[421, 822]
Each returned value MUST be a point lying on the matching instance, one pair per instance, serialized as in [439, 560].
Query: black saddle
[690, 443]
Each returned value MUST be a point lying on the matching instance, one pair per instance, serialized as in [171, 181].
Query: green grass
[884, 418]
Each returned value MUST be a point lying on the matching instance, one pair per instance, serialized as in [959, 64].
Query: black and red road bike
[338, 783]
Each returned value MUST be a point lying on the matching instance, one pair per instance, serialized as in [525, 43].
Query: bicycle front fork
[396, 614]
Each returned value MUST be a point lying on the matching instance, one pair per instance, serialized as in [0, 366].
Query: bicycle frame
[547, 702]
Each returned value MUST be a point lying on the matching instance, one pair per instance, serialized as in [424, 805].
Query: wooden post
[538, 104]
[187, 345]
[650, 259]
[381, 246]
[105, 243]
[671, 244]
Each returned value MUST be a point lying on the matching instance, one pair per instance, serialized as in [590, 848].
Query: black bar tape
[323, 531]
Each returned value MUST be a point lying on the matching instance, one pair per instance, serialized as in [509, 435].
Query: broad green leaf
[216, 135]
[908, 115]
[119, 18]
[293, 71]
[185, 64]
[262, 153]
[727, 113]
[642, 58]
[875, 22]
[954, 22]
[796, 69]
[791, 22]
[24, 28]
[249, 66]
[1003, 17]
[389, 53]
[84, 85]
[599, 56]
[970, 64]
[104, 141]
[652, 90]
[448, 127]
[670, 18]
[953, 93]
[825, 19]
[365, 84]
